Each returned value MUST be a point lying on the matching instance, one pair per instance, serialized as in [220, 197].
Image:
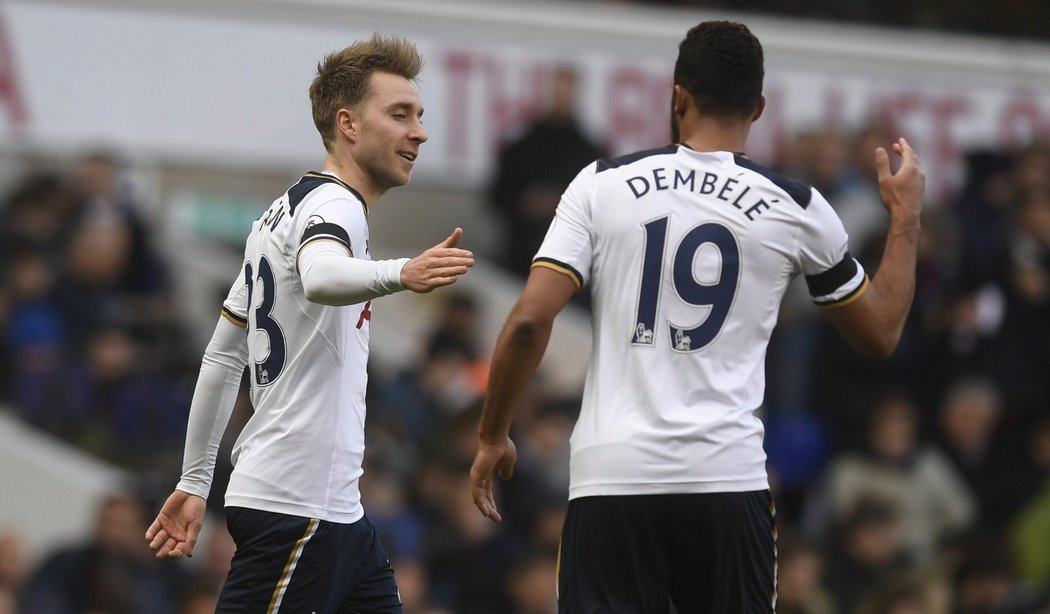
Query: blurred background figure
[984, 582]
[14, 568]
[534, 169]
[969, 419]
[931, 503]
[800, 578]
[868, 549]
[108, 572]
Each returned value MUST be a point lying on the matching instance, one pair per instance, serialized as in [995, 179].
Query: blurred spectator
[198, 600]
[36, 339]
[906, 594]
[982, 207]
[797, 451]
[543, 450]
[931, 502]
[969, 419]
[445, 383]
[983, 583]
[531, 584]
[13, 570]
[1029, 539]
[468, 556]
[199, 594]
[399, 525]
[869, 548]
[106, 205]
[112, 402]
[413, 585]
[37, 215]
[218, 553]
[109, 572]
[800, 572]
[534, 169]
[1030, 531]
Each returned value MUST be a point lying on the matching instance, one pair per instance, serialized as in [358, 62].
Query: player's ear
[759, 108]
[346, 123]
[680, 100]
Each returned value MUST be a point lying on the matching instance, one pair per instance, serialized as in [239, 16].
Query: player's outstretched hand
[439, 266]
[902, 192]
[491, 458]
[174, 533]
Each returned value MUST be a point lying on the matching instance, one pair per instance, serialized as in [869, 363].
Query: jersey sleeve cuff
[237, 320]
[561, 267]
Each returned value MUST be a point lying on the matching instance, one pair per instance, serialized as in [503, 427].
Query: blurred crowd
[913, 485]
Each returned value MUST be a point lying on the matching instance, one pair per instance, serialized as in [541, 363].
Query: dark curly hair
[720, 63]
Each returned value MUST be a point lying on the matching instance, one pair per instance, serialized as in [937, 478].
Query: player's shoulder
[800, 193]
[605, 164]
[322, 187]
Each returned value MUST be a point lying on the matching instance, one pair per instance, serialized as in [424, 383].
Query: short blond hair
[342, 77]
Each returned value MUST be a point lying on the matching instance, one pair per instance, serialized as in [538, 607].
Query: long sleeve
[213, 400]
[331, 277]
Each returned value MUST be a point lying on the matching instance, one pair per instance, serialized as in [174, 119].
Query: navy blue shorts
[640, 554]
[296, 565]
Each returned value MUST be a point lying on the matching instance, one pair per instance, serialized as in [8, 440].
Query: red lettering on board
[10, 95]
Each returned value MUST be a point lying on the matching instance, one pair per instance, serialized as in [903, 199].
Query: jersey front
[687, 256]
[301, 451]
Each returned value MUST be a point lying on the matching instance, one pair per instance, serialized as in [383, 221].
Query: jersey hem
[668, 488]
[293, 509]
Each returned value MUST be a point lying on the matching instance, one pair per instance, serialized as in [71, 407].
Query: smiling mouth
[411, 157]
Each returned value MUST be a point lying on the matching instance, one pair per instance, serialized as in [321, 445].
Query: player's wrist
[493, 439]
[392, 275]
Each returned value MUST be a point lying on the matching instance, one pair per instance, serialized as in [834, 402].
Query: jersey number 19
[718, 295]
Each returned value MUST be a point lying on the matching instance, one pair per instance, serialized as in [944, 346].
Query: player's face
[390, 130]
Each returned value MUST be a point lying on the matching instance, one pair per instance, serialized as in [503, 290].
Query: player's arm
[332, 276]
[874, 320]
[174, 532]
[519, 349]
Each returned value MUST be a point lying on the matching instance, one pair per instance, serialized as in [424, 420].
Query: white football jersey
[688, 256]
[301, 451]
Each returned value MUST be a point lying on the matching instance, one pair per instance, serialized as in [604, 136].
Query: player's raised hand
[174, 532]
[439, 266]
[491, 458]
[902, 192]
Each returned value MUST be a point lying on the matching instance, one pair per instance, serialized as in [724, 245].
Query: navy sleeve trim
[799, 192]
[561, 267]
[823, 284]
[233, 317]
[326, 230]
[605, 164]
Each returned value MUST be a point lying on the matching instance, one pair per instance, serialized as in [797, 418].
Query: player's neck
[714, 135]
[350, 173]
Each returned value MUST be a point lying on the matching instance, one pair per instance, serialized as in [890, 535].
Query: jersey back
[688, 256]
[301, 451]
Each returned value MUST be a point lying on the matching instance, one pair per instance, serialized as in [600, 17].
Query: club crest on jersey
[682, 341]
[643, 334]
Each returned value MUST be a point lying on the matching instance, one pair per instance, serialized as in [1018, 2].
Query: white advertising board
[226, 81]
